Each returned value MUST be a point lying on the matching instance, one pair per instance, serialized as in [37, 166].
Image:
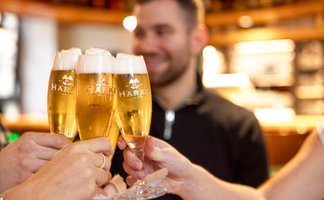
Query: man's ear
[199, 39]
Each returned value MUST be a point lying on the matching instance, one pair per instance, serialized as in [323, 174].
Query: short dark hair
[194, 9]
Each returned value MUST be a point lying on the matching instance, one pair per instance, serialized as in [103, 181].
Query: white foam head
[66, 59]
[97, 51]
[133, 64]
[96, 60]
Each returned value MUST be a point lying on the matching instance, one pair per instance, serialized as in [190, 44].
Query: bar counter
[284, 138]
[27, 122]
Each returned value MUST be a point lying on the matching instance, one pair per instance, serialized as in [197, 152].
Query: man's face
[162, 38]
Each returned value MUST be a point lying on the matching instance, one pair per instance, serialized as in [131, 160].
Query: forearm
[29, 190]
[5, 182]
[202, 185]
[302, 178]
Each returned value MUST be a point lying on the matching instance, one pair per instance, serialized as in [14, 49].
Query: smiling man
[211, 131]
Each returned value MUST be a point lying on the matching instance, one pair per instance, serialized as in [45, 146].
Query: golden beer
[95, 105]
[134, 107]
[113, 134]
[61, 103]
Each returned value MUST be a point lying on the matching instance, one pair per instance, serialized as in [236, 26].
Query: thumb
[153, 149]
[166, 156]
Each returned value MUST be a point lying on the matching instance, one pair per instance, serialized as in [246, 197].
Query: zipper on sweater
[169, 121]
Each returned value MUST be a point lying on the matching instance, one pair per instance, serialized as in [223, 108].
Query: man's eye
[163, 32]
[138, 34]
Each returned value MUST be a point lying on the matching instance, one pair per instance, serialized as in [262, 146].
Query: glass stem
[139, 153]
[141, 183]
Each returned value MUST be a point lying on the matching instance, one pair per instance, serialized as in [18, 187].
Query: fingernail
[138, 165]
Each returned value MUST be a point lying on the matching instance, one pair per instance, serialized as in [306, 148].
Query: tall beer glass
[61, 93]
[96, 95]
[134, 112]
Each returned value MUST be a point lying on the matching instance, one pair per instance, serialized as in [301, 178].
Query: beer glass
[61, 93]
[134, 112]
[96, 95]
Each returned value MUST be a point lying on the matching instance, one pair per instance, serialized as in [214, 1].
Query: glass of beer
[96, 95]
[134, 112]
[61, 93]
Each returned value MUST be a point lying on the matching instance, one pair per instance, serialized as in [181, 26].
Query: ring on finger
[104, 161]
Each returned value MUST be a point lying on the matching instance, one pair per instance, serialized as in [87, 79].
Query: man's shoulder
[236, 119]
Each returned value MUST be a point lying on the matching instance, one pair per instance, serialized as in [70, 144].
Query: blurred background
[265, 55]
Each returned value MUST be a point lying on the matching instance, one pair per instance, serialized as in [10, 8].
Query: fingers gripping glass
[134, 112]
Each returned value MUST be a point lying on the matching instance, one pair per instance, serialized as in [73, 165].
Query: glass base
[143, 193]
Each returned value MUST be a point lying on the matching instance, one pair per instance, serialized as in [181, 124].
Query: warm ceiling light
[130, 23]
[245, 21]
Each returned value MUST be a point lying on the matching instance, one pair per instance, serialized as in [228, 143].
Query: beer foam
[66, 59]
[97, 51]
[96, 60]
[75, 51]
[126, 64]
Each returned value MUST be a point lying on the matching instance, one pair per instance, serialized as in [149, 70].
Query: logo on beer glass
[134, 83]
[67, 80]
[136, 89]
[63, 85]
[101, 88]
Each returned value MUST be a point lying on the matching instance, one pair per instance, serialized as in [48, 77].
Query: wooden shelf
[257, 34]
[73, 14]
[268, 15]
[313, 10]
[63, 14]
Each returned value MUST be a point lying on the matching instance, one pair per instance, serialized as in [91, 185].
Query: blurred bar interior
[265, 55]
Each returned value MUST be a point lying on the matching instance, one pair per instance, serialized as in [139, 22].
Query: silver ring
[104, 161]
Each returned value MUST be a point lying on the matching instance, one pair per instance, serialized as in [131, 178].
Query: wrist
[190, 184]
